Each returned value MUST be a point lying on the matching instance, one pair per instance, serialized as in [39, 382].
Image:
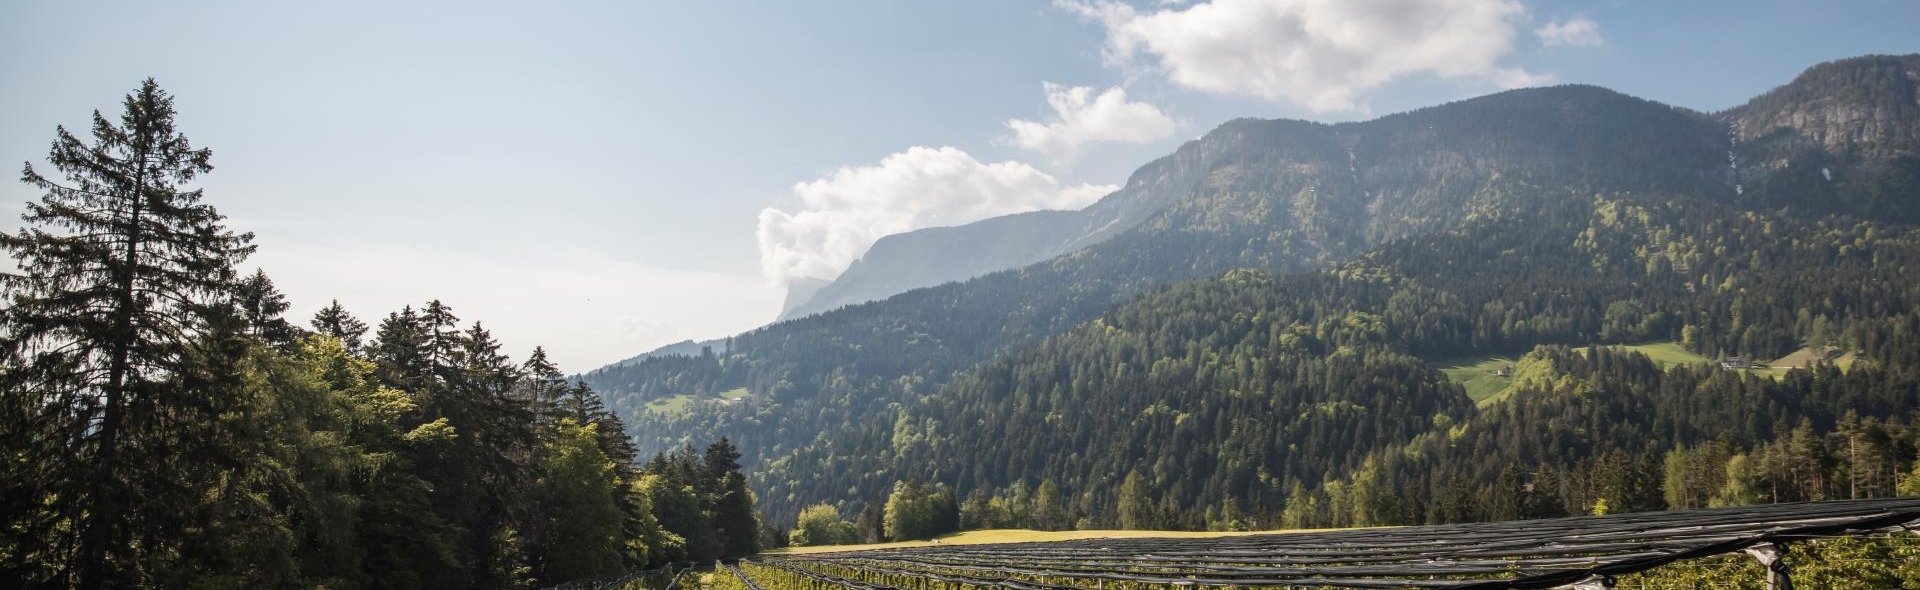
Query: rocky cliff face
[1865, 106]
[1842, 138]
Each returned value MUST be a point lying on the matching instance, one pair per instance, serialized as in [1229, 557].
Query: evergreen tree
[676, 505]
[400, 349]
[545, 385]
[1048, 513]
[730, 502]
[261, 305]
[117, 266]
[1136, 505]
[335, 321]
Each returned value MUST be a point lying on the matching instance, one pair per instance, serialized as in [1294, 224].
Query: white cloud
[843, 214]
[586, 307]
[1577, 32]
[1080, 117]
[1325, 55]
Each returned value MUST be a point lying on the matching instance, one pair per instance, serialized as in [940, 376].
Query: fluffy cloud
[1325, 55]
[842, 215]
[1080, 116]
[1578, 32]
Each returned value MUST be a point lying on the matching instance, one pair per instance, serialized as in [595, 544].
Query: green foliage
[821, 524]
[702, 500]
[1136, 504]
[916, 511]
[167, 427]
[579, 526]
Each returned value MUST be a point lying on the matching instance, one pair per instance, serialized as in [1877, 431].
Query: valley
[1252, 349]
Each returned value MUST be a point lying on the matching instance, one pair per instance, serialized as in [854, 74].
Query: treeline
[1596, 430]
[1256, 401]
[1291, 197]
[166, 426]
[915, 510]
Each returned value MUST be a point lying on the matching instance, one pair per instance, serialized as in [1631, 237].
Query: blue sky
[605, 177]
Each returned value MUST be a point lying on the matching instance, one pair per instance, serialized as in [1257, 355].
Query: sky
[602, 178]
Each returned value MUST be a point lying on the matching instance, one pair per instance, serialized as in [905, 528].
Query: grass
[670, 405]
[678, 404]
[1020, 536]
[1807, 357]
[1476, 374]
[1667, 353]
[1670, 353]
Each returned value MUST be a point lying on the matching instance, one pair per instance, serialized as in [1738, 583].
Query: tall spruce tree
[543, 388]
[335, 321]
[399, 349]
[730, 502]
[260, 305]
[118, 266]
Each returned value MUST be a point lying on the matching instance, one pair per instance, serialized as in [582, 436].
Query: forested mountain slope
[1844, 137]
[1272, 394]
[1556, 215]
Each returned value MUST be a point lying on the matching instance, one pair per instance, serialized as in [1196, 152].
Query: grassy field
[1019, 536]
[1670, 353]
[1667, 353]
[670, 405]
[678, 404]
[1476, 374]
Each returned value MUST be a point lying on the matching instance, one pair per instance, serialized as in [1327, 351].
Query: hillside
[928, 257]
[1843, 137]
[1564, 215]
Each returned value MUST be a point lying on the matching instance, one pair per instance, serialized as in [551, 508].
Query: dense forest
[1254, 401]
[1273, 331]
[166, 426]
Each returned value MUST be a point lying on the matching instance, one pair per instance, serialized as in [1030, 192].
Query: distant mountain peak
[800, 291]
[1868, 105]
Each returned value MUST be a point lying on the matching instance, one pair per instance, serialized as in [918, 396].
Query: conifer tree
[116, 266]
[543, 387]
[400, 350]
[335, 321]
[730, 502]
[1136, 507]
[260, 305]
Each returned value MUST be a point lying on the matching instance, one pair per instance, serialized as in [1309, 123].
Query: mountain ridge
[1287, 197]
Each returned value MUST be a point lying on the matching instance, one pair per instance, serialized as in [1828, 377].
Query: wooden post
[1773, 556]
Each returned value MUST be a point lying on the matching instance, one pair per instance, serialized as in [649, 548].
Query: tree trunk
[108, 505]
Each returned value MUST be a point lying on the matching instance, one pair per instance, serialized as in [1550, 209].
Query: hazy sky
[605, 177]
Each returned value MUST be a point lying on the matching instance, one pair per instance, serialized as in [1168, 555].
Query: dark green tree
[1136, 503]
[117, 266]
[261, 305]
[576, 531]
[335, 321]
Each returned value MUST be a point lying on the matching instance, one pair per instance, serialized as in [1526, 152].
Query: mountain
[681, 348]
[928, 257]
[922, 258]
[800, 292]
[1843, 137]
[1567, 215]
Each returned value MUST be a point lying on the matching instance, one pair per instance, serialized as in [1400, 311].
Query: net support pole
[1773, 556]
